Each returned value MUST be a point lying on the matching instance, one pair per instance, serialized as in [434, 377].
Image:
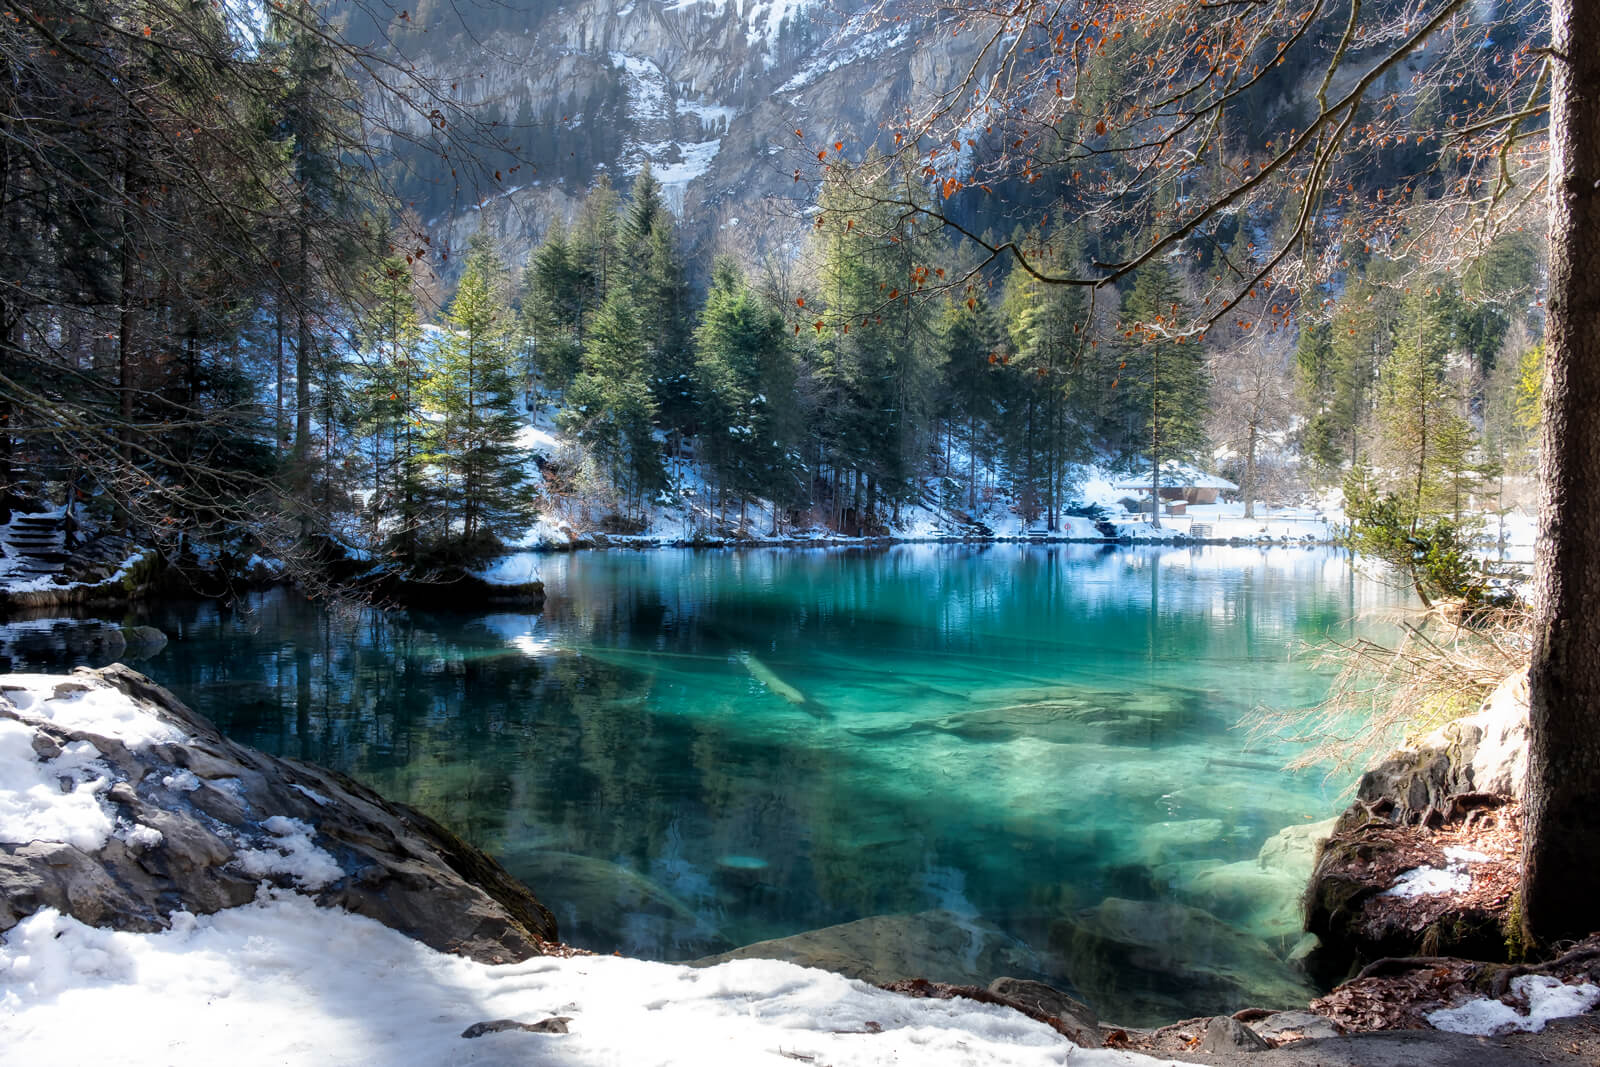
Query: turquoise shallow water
[685, 752]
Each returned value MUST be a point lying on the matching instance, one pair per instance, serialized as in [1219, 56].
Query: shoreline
[118, 592]
[642, 543]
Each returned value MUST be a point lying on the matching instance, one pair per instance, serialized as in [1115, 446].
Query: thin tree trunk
[302, 384]
[972, 464]
[1562, 837]
[1250, 472]
[125, 368]
[280, 429]
[1155, 441]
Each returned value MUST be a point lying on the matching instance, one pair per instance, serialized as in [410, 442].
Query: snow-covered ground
[684, 511]
[283, 981]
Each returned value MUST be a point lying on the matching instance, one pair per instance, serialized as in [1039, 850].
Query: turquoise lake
[686, 752]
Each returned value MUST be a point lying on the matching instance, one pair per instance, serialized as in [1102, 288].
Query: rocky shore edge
[198, 823]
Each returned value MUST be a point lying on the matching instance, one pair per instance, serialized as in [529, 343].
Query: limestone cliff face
[709, 91]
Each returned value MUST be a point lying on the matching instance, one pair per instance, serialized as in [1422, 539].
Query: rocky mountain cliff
[710, 92]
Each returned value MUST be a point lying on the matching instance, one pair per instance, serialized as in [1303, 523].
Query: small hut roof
[1175, 476]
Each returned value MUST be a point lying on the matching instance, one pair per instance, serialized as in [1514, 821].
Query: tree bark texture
[1561, 849]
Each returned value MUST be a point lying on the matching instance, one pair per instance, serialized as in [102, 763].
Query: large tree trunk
[1561, 851]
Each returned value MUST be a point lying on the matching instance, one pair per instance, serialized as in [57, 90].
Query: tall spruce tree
[1162, 379]
[610, 407]
[555, 305]
[470, 390]
[746, 376]
[390, 337]
[1422, 430]
[661, 294]
[971, 339]
[1045, 325]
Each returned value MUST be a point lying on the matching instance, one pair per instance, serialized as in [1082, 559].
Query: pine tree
[1162, 379]
[971, 339]
[661, 295]
[389, 412]
[315, 234]
[1419, 410]
[610, 407]
[1338, 365]
[596, 250]
[471, 389]
[554, 309]
[746, 375]
[875, 348]
[1045, 323]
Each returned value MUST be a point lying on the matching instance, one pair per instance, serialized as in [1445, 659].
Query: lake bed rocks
[602, 905]
[938, 945]
[171, 816]
[1263, 896]
[1154, 960]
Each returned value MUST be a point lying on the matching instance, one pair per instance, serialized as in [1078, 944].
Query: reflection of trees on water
[624, 722]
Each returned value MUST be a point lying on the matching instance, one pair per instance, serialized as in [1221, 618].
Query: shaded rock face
[50, 643]
[1157, 960]
[708, 93]
[938, 945]
[1468, 770]
[1483, 753]
[1356, 921]
[192, 821]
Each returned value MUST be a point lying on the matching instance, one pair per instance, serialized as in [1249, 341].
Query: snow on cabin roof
[1176, 476]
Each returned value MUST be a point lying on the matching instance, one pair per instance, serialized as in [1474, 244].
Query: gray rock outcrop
[1482, 753]
[192, 821]
[1469, 767]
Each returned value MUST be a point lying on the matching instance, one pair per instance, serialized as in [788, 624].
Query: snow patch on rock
[292, 853]
[75, 705]
[55, 799]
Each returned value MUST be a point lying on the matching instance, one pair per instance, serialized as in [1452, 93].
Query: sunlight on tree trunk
[1562, 842]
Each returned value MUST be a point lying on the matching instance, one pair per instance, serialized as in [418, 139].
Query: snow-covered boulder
[119, 807]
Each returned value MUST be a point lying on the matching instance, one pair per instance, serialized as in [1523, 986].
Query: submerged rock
[1264, 896]
[605, 907]
[174, 816]
[143, 641]
[938, 945]
[1156, 960]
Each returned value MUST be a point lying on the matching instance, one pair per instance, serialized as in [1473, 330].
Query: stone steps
[39, 543]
